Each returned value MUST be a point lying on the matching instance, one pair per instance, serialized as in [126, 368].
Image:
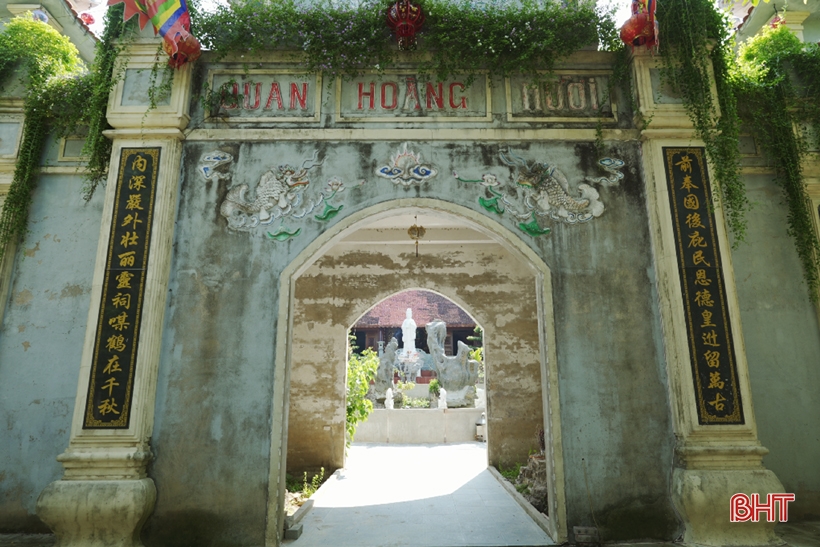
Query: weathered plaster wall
[41, 341]
[215, 392]
[782, 338]
[492, 284]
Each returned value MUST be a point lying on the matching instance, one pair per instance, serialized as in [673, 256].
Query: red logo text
[742, 508]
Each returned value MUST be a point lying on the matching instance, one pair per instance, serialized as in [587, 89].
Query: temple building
[170, 348]
[384, 321]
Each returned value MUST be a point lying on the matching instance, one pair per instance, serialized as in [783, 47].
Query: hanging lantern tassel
[405, 19]
[181, 49]
[642, 28]
[416, 232]
[171, 20]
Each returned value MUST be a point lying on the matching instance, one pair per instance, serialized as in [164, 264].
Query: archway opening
[430, 358]
[338, 281]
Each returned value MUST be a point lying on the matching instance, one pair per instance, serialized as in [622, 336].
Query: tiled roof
[426, 306]
[79, 21]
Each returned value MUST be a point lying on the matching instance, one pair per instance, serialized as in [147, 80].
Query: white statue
[387, 363]
[388, 399]
[456, 373]
[442, 398]
[408, 333]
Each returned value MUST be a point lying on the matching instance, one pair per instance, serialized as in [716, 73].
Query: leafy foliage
[693, 34]
[505, 38]
[45, 55]
[510, 473]
[344, 38]
[310, 487]
[40, 49]
[773, 105]
[102, 79]
[59, 97]
[415, 402]
[361, 370]
[434, 388]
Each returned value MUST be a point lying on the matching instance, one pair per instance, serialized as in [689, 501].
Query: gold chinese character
[109, 405]
[137, 182]
[122, 300]
[134, 202]
[116, 343]
[704, 298]
[707, 319]
[693, 220]
[701, 279]
[710, 339]
[698, 258]
[718, 402]
[119, 322]
[696, 240]
[124, 278]
[715, 381]
[712, 358]
[691, 201]
[139, 164]
[687, 183]
[685, 164]
[128, 239]
[126, 259]
[131, 219]
[113, 365]
[109, 385]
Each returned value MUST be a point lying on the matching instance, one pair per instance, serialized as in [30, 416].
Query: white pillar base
[99, 513]
[702, 497]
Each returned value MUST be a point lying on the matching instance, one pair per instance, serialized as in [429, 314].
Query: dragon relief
[549, 192]
[279, 193]
[546, 192]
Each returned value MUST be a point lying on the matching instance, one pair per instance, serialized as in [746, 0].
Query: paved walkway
[429, 495]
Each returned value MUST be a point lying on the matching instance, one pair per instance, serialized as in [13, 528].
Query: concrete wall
[492, 284]
[419, 425]
[782, 338]
[41, 341]
[215, 385]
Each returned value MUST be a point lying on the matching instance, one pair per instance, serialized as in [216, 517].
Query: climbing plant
[102, 79]
[695, 42]
[777, 82]
[39, 50]
[345, 38]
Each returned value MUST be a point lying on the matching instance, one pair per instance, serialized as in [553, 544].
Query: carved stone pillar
[105, 496]
[718, 453]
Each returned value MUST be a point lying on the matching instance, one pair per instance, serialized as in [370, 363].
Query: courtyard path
[429, 495]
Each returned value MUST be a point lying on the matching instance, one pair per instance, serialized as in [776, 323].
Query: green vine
[44, 54]
[160, 81]
[695, 38]
[59, 98]
[97, 146]
[773, 105]
[459, 37]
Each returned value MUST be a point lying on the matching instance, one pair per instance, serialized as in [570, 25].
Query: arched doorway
[474, 262]
[412, 373]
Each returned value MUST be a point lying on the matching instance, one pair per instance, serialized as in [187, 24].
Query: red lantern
[405, 18]
[642, 28]
[182, 48]
[87, 18]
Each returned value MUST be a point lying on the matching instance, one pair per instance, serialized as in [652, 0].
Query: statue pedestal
[462, 398]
